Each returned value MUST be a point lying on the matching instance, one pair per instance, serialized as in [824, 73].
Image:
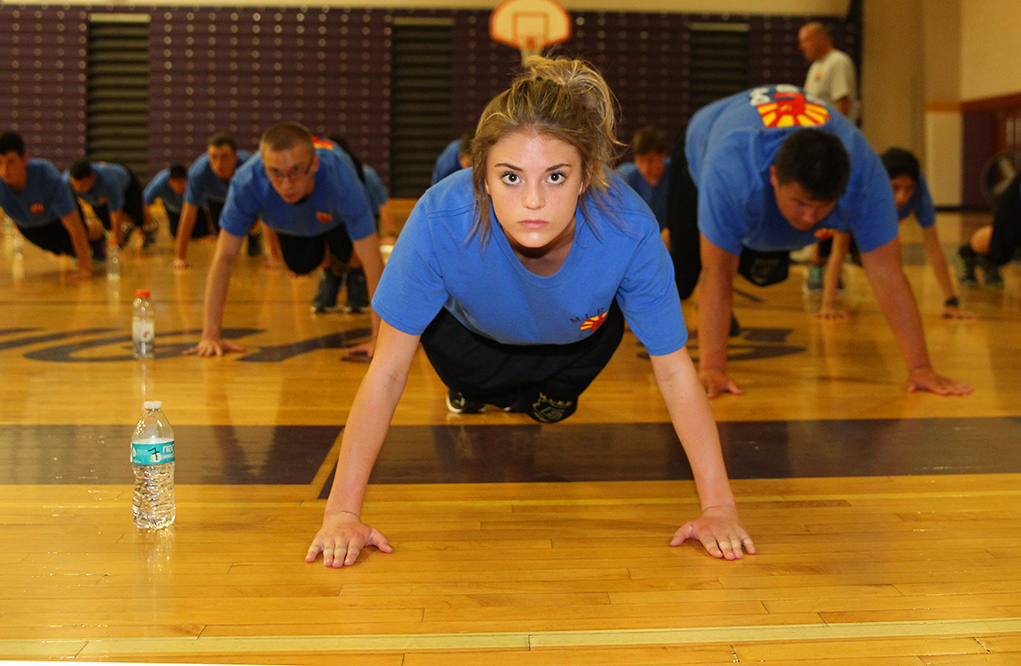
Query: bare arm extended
[885, 273]
[189, 214]
[718, 528]
[942, 272]
[343, 534]
[227, 247]
[80, 240]
[715, 302]
[368, 252]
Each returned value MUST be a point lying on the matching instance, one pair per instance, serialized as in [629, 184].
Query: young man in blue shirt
[772, 170]
[649, 173]
[209, 178]
[168, 187]
[456, 156]
[35, 197]
[310, 196]
[115, 195]
[911, 197]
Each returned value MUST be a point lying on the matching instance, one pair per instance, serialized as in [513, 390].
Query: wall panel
[43, 79]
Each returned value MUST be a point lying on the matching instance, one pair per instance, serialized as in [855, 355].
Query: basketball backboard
[530, 25]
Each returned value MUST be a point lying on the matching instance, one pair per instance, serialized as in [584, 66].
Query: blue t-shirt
[108, 190]
[159, 188]
[338, 198]
[204, 184]
[448, 162]
[654, 195]
[920, 204]
[45, 198]
[375, 189]
[731, 144]
[615, 254]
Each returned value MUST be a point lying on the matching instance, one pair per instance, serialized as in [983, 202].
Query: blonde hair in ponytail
[561, 98]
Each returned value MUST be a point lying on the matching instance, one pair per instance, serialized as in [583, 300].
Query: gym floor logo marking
[78, 346]
[753, 344]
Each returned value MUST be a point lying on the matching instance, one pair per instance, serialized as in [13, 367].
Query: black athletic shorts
[543, 381]
[52, 237]
[1006, 238]
[303, 254]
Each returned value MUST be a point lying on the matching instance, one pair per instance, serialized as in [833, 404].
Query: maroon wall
[237, 70]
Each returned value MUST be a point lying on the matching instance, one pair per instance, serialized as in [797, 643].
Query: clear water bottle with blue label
[152, 458]
[143, 328]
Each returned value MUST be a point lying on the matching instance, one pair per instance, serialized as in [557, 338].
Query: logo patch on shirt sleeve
[37, 209]
[790, 109]
[324, 217]
[592, 323]
[825, 234]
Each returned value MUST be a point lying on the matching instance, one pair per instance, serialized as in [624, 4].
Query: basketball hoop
[530, 25]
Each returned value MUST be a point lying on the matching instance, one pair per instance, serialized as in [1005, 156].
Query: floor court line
[115, 647]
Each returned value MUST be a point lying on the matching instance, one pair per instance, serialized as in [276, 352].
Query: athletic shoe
[816, 278]
[991, 272]
[813, 282]
[357, 291]
[326, 296]
[969, 261]
[457, 403]
[255, 245]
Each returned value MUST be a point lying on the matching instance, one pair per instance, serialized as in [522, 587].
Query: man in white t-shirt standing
[831, 77]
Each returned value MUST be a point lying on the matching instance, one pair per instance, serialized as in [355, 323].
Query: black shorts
[303, 254]
[52, 237]
[682, 221]
[543, 381]
[1006, 238]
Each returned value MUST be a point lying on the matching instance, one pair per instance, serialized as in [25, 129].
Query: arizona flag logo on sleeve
[592, 323]
[37, 209]
[324, 217]
[790, 109]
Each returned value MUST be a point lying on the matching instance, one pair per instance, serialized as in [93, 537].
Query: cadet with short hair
[771, 170]
[310, 196]
[36, 198]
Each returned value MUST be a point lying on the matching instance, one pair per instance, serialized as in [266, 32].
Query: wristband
[952, 302]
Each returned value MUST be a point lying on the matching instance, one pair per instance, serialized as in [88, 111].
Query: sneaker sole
[455, 410]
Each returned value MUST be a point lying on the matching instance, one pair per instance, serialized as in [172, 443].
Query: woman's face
[534, 181]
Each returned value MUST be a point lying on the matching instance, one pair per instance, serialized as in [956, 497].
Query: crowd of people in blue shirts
[517, 271]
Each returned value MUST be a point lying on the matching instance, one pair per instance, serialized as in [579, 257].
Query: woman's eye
[557, 177]
[510, 178]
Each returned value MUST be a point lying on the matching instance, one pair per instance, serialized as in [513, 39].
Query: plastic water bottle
[9, 234]
[18, 261]
[143, 328]
[113, 262]
[152, 458]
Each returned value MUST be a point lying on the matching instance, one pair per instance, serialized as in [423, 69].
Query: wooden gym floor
[886, 522]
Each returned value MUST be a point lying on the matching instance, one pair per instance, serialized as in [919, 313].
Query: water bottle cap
[152, 404]
[142, 293]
